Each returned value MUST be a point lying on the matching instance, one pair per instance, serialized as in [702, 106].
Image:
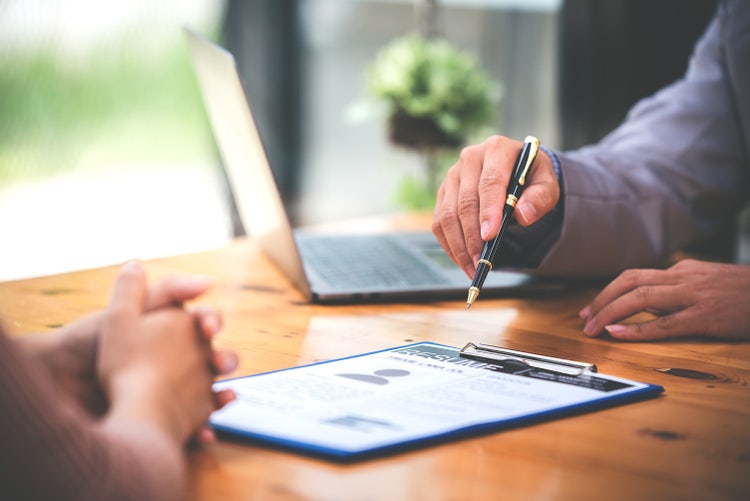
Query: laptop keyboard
[366, 262]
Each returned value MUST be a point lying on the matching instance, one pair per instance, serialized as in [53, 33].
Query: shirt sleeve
[51, 449]
[673, 174]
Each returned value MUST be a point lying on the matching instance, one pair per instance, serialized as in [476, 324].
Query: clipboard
[491, 353]
[405, 397]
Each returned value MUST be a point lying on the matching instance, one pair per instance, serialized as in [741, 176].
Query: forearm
[51, 349]
[45, 436]
[629, 211]
[147, 463]
[673, 174]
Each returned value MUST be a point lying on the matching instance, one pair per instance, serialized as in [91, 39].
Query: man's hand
[690, 298]
[470, 201]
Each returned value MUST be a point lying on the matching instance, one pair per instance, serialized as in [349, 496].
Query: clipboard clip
[490, 353]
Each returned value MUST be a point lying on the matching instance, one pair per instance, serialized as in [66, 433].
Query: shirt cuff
[555, 165]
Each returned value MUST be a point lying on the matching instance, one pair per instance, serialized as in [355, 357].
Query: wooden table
[691, 443]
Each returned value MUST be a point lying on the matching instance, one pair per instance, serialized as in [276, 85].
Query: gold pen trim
[534, 142]
[473, 294]
[485, 262]
[511, 200]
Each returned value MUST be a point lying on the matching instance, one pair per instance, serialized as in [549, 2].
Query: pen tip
[473, 293]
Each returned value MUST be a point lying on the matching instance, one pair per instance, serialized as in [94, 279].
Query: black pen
[516, 186]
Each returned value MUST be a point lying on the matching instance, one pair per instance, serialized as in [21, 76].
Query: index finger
[627, 281]
[499, 159]
[175, 290]
[450, 215]
[129, 291]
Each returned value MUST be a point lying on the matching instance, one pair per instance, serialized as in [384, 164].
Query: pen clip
[533, 150]
[490, 353]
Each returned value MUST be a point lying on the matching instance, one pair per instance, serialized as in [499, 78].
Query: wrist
[556, 167]
[159, 463]
[136, 397]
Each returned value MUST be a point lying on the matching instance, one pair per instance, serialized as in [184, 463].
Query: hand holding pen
[471, 200]
[516, 185]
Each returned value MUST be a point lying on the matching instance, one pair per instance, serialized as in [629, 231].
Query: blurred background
[105, 149]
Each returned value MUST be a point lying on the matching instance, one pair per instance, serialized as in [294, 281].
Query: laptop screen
[256, 194]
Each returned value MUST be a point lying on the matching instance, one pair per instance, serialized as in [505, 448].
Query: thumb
[542, 194]
[129, 291]
[532, 206]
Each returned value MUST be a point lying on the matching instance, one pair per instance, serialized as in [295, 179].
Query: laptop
[324, 267]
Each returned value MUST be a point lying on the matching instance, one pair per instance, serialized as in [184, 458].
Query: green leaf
[430, 78]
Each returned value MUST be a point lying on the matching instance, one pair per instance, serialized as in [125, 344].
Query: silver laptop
[325, 268]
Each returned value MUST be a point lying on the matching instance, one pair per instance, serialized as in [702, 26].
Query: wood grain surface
[691, 443]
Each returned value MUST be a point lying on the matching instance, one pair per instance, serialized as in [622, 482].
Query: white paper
[384, 398]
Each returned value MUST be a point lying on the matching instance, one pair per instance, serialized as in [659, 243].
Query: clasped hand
[144, 357]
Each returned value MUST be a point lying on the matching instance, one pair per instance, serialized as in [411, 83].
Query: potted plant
[436, 96]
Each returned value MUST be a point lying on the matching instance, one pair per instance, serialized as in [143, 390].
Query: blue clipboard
[411, 396]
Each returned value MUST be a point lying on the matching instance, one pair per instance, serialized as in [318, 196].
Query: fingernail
[615, 330]
[195, 281]
[133, 265]
[227, 361]
[588, 329]
[206, 436]
[485, 230]
[225, 396]
[584, 313]
[211, 325]
[527, 213]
